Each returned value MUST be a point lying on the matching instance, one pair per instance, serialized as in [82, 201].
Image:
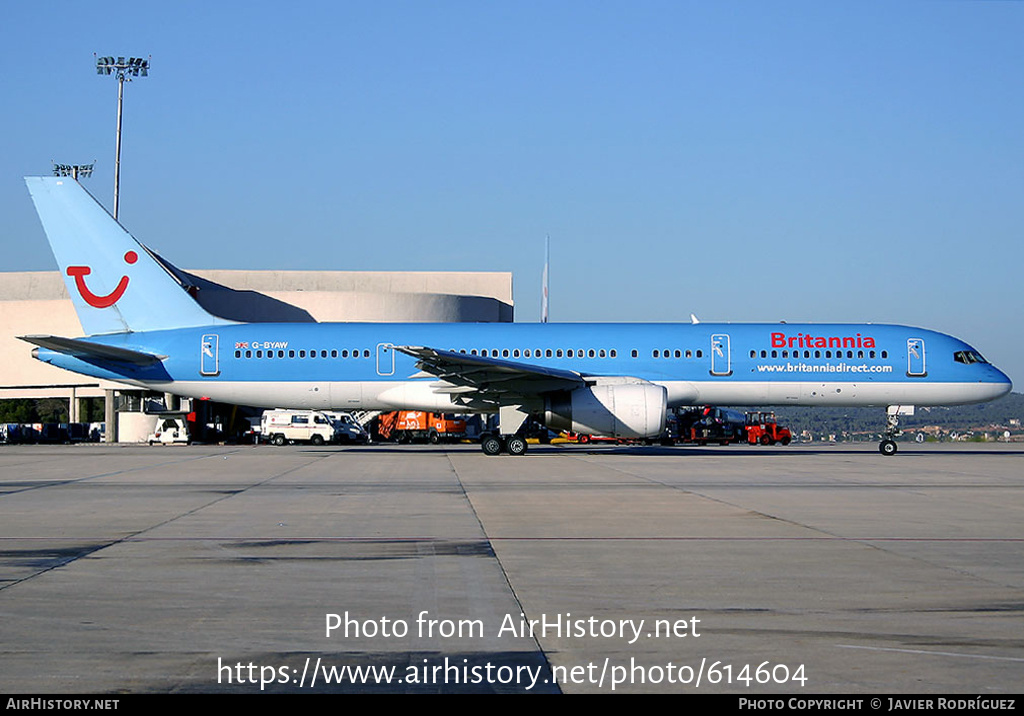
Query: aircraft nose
[998, 383]
[1005, 382]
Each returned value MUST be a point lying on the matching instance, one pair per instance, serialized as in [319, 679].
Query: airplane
[143, 329]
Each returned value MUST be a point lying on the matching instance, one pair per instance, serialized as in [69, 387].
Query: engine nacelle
[630, 410]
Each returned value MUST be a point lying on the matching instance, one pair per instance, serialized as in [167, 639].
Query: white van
[312, 426]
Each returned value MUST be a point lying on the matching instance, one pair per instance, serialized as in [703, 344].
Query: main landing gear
[510, 424]
[892, 430]
[512, 444]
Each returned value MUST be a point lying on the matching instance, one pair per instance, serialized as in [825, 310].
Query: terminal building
[38, 303]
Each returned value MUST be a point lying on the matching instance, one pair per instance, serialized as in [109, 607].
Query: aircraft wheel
[491, 445]
[317, 440]
[887, 447]
[279, 440]
[516, 445]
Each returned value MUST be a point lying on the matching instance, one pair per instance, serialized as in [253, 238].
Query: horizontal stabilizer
[87, 350]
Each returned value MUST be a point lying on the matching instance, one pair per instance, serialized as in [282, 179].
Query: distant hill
[867, 423]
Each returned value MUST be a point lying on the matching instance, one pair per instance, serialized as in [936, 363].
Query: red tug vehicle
[764, 429]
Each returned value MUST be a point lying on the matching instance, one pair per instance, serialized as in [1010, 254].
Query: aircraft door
[209, 355]
[916, 366]
[721, 354]
[385, 359]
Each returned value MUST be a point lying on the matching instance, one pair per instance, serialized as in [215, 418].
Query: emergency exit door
[916, 366]
[209, 356]
[721, 354]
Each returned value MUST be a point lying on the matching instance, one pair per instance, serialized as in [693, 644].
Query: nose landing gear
[892, 427]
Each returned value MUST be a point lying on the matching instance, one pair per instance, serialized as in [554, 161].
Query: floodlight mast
[124, 71]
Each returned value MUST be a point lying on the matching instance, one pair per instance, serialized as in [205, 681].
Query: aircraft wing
[87, 350]
[489, 378]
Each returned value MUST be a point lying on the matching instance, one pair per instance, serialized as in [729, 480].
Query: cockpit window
[968, 357]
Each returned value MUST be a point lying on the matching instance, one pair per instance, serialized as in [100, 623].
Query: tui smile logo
[80, 272]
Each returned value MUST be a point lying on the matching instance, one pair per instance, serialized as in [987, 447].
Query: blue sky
[744, 161]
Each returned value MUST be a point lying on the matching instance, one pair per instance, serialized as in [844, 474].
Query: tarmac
[748, 570]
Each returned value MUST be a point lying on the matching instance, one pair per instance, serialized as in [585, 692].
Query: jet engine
[628, 410]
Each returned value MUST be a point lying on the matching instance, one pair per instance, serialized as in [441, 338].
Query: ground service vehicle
[764, 429]
[710, 424]
[408, 425]
[284, 426]
[170, 431]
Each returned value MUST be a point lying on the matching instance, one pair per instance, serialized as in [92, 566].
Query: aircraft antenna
[544, 281]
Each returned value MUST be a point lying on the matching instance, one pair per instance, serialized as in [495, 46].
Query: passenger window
[634, 353]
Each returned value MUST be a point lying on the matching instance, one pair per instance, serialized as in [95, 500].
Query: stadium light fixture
[124, 69]
[73, 170]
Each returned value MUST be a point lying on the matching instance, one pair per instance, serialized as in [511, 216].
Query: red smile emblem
[80, 272]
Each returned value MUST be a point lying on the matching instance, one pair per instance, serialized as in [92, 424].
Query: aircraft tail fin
[114, 282]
